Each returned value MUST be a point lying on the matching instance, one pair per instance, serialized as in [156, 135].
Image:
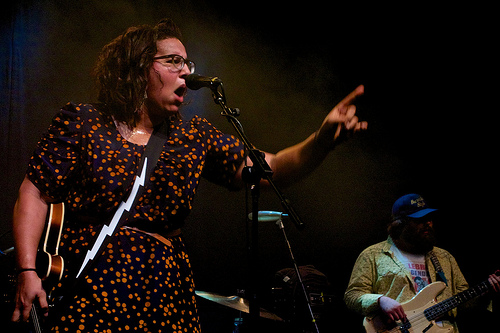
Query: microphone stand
[253, 175]
[280, 225]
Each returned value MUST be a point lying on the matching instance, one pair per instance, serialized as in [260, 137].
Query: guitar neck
[443, 307]
[34, 320]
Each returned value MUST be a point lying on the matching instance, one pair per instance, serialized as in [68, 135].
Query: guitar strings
[34, 319]
[454, 301]
[415, 320]
[420, 318]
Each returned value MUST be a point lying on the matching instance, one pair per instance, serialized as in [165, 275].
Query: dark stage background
[430, 78]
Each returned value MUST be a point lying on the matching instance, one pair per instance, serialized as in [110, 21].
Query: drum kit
[289, 313]
[298, 299]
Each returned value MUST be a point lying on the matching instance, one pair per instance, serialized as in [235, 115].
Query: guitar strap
[437, 266]
[148, 162]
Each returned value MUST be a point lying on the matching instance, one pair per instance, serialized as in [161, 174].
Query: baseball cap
[410, 205]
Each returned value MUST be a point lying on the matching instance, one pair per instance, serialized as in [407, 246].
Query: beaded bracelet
[19, 271]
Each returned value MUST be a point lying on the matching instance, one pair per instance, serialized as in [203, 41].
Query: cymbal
[235, 302]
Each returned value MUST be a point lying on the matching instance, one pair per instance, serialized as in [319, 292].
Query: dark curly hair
[122, 68]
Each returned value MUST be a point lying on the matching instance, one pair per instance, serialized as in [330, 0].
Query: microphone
[196, 81]
[268, 216]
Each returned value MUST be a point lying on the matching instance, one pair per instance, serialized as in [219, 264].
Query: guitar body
[50, 267]
[49, 264]
[414, 310]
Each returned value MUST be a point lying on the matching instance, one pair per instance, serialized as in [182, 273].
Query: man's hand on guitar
[29, 288]
[392, 308]
[494, 279]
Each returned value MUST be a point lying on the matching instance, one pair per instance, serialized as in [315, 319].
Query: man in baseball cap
[412, 225]
[394, 271]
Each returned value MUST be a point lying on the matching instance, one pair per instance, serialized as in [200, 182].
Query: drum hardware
[238, 323]
[286, 302]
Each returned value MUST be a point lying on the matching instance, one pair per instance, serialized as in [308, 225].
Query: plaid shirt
[377, 272]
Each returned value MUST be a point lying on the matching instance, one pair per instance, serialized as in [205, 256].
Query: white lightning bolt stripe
[108, 230]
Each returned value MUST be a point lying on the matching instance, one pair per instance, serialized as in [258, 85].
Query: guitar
[423, 310]
[49, 264]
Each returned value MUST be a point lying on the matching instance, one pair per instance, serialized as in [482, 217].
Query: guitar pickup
[427, 328]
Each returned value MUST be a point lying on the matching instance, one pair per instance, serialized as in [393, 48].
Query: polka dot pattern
[139, 283]
[84, 161]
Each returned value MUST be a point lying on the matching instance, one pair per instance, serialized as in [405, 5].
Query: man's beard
[420, 243]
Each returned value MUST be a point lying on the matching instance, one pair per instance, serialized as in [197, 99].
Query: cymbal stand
[279, 223]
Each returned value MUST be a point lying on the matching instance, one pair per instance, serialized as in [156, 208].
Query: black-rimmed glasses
[175, 62]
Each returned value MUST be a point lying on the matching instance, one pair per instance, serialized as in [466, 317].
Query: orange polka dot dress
[139, 283]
